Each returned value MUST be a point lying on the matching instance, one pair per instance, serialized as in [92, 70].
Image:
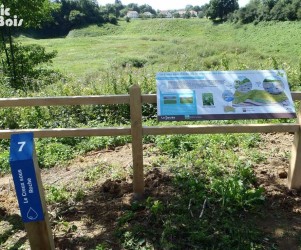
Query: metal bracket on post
[294, 171]
[137, 144]
[30, 193]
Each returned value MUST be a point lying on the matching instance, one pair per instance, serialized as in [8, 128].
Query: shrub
[133, 62]
[26, 64]
[4, 161]
[52, 153]
[113, 19]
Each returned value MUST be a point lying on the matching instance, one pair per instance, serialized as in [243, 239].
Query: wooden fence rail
[135, 99]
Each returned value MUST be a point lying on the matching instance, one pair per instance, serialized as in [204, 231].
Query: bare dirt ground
[79, 224]
[282, 206]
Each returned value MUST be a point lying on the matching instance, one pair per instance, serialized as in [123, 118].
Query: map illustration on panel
[271, 93]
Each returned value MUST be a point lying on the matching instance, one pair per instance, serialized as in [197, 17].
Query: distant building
[165, 13]
[193, 13]
[148, 14]
[182, 12]
[132, 14]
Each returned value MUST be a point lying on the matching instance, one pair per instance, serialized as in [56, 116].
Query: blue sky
[167, 4]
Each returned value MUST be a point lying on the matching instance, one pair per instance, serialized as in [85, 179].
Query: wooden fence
[135, 99]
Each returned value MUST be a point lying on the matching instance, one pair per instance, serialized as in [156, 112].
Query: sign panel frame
[224, 95]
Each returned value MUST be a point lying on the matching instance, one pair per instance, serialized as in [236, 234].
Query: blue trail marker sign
[30, 194]
[23, 171]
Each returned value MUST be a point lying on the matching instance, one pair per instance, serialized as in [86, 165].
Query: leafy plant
[53, 153]
[79, 195]
[126, 217]
[4, 162]
[67, 227]
[93, 174]
[30, 70]
[131, 242]
[101, 247]
[235, 194]
[56, 194]
[155, 206]
[174, 144]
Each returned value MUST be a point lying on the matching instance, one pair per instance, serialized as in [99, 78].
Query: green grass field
[177, 45]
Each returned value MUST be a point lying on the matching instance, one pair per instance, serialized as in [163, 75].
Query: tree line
[268, 10]
[70, 14]
[255, 11]
[66, 15]
[23, 66]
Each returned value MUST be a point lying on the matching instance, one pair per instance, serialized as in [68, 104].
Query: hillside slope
[176, 44]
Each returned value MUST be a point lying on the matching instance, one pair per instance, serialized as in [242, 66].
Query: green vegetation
[221, 8]
[176, 45]
[70, 14]
[112, 58]
[21, 64]
[260, 96]
[57, 195]
[215, 195]
[257, 11]
[214, 198]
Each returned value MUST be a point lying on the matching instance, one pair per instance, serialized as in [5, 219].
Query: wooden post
[41, 228]
[30, 193]
[137, 144]
[294, 171]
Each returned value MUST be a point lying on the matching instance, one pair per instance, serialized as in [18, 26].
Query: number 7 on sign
[22, 144]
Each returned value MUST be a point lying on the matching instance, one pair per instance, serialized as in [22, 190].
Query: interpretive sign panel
[223, 95]
[23, 171]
